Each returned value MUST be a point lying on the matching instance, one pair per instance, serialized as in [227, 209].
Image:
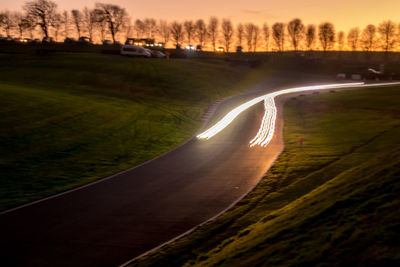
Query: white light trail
[267, 128]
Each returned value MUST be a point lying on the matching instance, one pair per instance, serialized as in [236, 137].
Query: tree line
[110, 21]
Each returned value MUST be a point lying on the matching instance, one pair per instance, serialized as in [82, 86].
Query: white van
[136, 51]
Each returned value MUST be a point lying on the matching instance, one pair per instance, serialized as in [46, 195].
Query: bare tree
[227, 32]
[66, 22]
[42, 13]
[310, 36]
[341, 40]
[77, 20]
[248, 34]
[353, 38]
[177, 32]
[164, 31]
[256, 34]
[114, 16]
[128, 28]
[213, 31]
[326, 35]
[266, 34]
[57, 24]
[296, 32]
[278, 34]
[189, 30]
[140, 28]
[387, 34]
[19, 22]
[89, 21]
[368, 37]
[150, 27]
[7, 22]
[239, 33]
[201, 32]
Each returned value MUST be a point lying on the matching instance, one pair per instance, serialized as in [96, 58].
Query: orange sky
[343, 13]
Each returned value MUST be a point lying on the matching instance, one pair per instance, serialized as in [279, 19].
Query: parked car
[47, 40]
[84, 40]
[136, 51]
[157, 54]
[107, 42]
[36, 41]
[69, 40]
[189, 48]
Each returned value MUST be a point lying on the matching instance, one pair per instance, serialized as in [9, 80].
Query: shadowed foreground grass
[332, 201]
[67, 120]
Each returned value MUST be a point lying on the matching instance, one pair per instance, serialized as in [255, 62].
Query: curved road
[109, 222]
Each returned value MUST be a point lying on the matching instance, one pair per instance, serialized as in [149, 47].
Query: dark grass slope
[332, 201]
[66, 120]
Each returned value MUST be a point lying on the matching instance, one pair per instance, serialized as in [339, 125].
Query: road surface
[112, 221]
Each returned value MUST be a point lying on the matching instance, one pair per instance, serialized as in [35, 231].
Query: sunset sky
[343, 13]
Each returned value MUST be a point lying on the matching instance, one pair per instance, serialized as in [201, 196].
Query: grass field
[67, 120]
[332, 201]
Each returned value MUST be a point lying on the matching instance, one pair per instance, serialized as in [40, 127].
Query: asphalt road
[112, 221]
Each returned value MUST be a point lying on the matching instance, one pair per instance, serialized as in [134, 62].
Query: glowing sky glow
[343, 13]
[267, 128]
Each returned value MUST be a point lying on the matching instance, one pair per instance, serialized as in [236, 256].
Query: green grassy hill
[332, 201]
[66, 120]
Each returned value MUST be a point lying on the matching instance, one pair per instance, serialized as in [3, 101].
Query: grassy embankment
[334, 200]
[67, 120]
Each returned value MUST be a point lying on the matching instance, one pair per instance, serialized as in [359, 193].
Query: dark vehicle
[69, 40]
[199, 48]
[47, 40]
[36, 41]
[84, 40]
[239, 49]
[178, 47]
[107, 42]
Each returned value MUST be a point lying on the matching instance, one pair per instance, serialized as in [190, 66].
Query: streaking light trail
[267, 128]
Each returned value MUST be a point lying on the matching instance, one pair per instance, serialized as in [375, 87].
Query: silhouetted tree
[114, 16]
[42, 13]
[310, 36]
[150, 27]
[278, 34]
[248, 34]
[201, 31]
[227, 33]
[387, 34]
[326, 35]
[189, 30]
[213, 31]
[239, 33]
[89, 21]
[65, 22]
[164, 31]
[140, 28]
[353, 38]
[57, 24]
[266, 34]
[296, 32]
[77, 20]
[177, 32]
[368, 37]
[341, 40]
[20, 23]
[7, 21]
[256, 33]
